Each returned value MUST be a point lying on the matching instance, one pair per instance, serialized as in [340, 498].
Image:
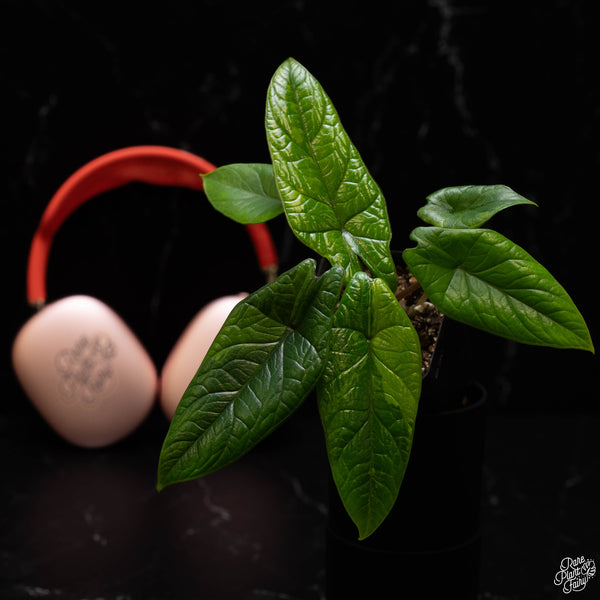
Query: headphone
[82, 367]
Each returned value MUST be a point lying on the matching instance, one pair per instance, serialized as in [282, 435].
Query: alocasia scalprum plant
[344, 333]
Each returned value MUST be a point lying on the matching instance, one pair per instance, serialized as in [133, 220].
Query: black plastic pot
[429, 545]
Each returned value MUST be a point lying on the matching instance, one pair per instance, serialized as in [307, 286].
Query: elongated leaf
[246, 193]
[331, 201]
[264, 361]
[481, 278]
[468, 206]
[368, 397]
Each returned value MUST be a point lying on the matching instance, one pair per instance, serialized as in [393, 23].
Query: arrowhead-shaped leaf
[332, 203]
[481, 278]
[246, 193]
[469, 206]
[368, 397]
[264, 361]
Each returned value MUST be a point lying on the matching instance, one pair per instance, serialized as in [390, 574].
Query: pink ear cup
[190, 349]
[85, 371]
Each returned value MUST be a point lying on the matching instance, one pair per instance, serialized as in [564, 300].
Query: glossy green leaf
[332, 203]
[262, 364]
[479, 277]
[468, 207]
[246, 193]
[368, 397]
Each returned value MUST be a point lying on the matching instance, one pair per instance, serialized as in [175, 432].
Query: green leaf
[332, 203]
[246, 193]
[264, 361]
[469, 206]
[481, 278]
[368, 397]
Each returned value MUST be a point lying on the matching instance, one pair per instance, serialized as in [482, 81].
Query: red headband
[159, 165]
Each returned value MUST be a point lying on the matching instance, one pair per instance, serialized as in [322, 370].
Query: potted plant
[348, 332]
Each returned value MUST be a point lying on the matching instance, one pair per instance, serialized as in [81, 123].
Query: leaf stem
[407, 291]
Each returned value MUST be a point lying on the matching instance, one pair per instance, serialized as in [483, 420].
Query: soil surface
[425, 317]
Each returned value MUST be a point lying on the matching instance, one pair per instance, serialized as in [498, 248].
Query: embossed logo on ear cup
[85, 371]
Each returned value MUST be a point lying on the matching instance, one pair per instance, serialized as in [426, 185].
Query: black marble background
[433, 93]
